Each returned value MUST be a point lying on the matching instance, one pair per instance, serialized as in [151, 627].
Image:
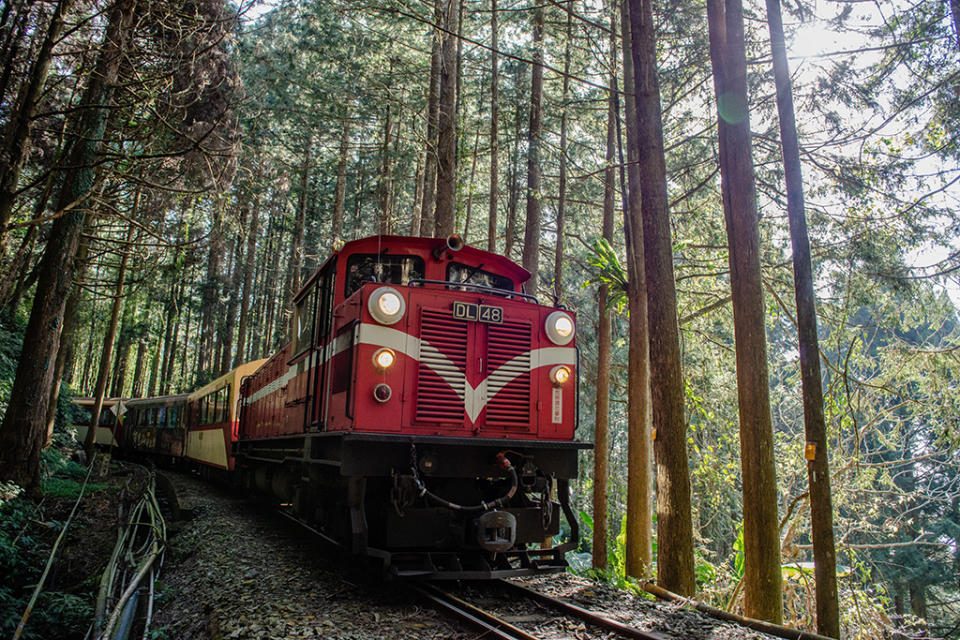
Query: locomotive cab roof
[436, 255]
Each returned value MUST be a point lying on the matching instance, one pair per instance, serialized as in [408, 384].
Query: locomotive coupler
[496, 531]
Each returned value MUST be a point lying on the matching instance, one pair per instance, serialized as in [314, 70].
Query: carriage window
[390, 269]
[457, 272]
[213, 407]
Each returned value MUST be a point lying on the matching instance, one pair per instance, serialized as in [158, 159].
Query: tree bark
[447, 122]
[118, 379]
[430, 144]
[511, 227]
[67, 337]
[601, 445]
[248, 267]
[818, 467]
[639, 544]
[675, 528]
[761, 540]
[136, 390]
[17, 131]
[955, 10]
[562, 190]
[494, 134]
[339, 193]
[299, 224]
[531, 233]
[210, 296]
[385, 184]
[106, 355]
[24, 428]
[236, 285]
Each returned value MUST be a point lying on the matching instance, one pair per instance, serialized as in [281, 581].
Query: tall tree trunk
[818, 467]
[175, 339]
[447, 122]
[473, 174]
[299, 225]
[494, 137]
[137, 389]
[430, 144]
[674, 519]
[24, 429]
[531, 233]
[341, 188]
[639, 550]
[68, 336]
[562, 192]
[761, 539]
[107, 352]
[248, 268]
[210, 296]
[601, 445]
[511, 227]
[17, 132]
[153, 381]
[955, 10]
[14, 22]
[385, 183]
[236, 284]
[415, 222]
[119, 378]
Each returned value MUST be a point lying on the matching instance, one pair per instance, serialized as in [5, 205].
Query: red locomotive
[423, 412]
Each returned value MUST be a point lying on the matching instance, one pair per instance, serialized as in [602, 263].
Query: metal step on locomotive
[423, 412]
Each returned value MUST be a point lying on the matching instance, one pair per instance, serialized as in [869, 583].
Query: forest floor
[236, 571]
[29, 528]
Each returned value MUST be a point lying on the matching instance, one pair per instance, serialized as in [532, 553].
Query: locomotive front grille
[449, 346]
[441, 384]
[508, 373]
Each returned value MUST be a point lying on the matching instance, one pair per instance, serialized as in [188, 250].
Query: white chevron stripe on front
[474, 399]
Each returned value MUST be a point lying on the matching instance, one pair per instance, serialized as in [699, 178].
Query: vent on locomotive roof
[443, 358]
[508, 373]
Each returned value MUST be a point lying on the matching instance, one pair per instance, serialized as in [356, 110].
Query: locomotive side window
[389, 269]
[325, 301]
[457, 272]
[304, 320]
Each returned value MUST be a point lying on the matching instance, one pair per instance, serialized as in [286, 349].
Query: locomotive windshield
[457, 272]
[389, 269]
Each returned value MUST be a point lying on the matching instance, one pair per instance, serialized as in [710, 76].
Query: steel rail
[583, 614]
[492, 626]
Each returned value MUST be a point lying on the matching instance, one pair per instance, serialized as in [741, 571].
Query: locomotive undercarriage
[427, 507]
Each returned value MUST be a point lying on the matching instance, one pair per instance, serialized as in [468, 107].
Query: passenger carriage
[156, 426]
[212, 422]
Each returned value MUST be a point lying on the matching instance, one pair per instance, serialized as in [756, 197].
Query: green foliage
[11, 341]
[25, 543]
[609, 271]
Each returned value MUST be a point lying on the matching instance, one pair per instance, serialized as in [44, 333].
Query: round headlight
[560, 375]
[559, 327]
[382, 392]
[386, 305]
[384, 358]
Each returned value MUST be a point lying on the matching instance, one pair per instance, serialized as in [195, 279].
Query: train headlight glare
[383, 359]
[386, 305]
[560, 328]
[560, 375]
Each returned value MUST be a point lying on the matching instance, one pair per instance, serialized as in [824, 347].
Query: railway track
[494, 626]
